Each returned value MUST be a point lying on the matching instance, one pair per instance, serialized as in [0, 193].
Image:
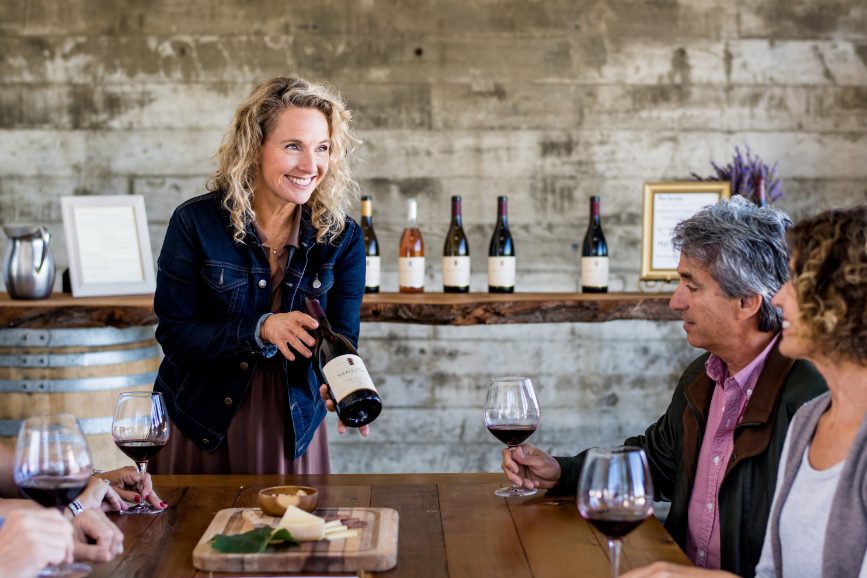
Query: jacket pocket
[225, 285]
[316, 282]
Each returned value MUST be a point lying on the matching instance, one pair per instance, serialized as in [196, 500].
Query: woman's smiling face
[294, 157]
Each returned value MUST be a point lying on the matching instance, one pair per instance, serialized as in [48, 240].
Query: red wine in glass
[512, 414]
[615, 494]
[140, 429]
[51, 491]
[512, 435]
[52, 467]
[140, 450]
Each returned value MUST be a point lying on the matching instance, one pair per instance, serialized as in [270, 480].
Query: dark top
[211, 295]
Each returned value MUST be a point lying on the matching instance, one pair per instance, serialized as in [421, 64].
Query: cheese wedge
[304, 527]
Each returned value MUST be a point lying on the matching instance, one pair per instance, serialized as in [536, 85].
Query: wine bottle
[337, 363]
[456, 254]
[761, 196]
[501, 254]
[371, 246]
[594, 254]
[410, 258]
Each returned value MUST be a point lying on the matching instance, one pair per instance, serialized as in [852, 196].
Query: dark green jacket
[672, 445]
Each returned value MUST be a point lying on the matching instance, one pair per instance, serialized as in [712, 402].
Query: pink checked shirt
[730, 397]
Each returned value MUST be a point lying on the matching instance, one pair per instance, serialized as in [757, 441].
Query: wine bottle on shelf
[456, 254]
[337, 363]
[410, 258]
[594, 254]
[761, 196]
[371, 247]
[501, 253]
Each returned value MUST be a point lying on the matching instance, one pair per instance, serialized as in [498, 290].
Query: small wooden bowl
[274, 500]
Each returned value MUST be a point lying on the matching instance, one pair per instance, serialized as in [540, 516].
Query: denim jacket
[211, 296]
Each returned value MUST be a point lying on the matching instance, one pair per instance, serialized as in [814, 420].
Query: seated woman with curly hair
[818, 522]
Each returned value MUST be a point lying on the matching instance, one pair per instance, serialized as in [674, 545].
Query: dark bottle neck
[456, 211]
[314, 309]
[594, 210]
[366, 211]
[503, 209]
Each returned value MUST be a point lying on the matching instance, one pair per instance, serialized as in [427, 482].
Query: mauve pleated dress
[256, 442]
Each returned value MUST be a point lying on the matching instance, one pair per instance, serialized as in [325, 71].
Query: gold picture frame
[665, 205]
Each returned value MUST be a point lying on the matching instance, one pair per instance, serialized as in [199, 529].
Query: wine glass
[615, 494]
[140, 429]
[52, 466]
[512, 415]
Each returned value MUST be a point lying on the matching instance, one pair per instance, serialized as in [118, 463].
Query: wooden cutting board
[373, 549]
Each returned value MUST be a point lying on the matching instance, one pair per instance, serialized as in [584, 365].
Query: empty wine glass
[140, 429]
[615, 494]
[52, 466]
[512, 414]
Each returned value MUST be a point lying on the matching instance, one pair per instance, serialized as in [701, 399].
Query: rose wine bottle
[337, 363]
[456, 254]
[410, 258]
[594, 254]
[371, 246]
[501, 254]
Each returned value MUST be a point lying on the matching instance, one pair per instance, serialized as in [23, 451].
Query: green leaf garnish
[252, 542]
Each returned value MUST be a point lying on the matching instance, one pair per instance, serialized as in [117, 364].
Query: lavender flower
[743, 172]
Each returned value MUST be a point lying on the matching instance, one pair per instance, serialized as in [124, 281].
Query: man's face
[709, 316]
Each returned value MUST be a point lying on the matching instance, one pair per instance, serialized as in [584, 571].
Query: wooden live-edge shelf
[64, 311]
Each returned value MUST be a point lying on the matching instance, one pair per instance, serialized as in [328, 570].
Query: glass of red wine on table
[512, 415]
[140, 429]
[615, 494]
[52, 467]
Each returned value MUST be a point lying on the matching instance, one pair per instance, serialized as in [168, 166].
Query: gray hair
[744, 249]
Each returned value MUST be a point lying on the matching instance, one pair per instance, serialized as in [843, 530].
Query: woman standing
[232, 276]
[818, 521]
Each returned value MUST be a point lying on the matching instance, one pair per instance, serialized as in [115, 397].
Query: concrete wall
[548, 102]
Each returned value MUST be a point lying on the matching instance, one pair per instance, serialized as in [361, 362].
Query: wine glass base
[515, 492]
[75, 570]
[140, 509]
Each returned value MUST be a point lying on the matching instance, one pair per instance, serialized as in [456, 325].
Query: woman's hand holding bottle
[288, 331]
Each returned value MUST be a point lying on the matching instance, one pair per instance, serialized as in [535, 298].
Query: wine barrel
[77, 371]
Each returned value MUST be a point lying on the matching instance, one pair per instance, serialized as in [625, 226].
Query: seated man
[714, 453]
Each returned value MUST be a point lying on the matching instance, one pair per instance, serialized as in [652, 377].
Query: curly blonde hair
[829, 274]
[239, 154]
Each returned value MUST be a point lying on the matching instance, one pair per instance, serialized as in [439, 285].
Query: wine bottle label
[345, 374]
[501, 271]
[594, 271]
[456, 271]
[410, 271]
[371, 273]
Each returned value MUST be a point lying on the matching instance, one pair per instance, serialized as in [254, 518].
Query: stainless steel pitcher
[28, 267]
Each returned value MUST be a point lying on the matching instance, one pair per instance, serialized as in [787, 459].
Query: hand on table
[542, 470]
[32, 539]
[329, 405]
[288, 331]
[669, 570]
[97, 539]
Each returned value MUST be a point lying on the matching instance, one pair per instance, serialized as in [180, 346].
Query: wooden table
[451, 526]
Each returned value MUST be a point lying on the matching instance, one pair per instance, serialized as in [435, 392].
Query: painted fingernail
[163, 504]
[136, 499]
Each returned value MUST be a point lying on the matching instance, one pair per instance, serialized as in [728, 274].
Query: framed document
[665, 205]
[108, 245]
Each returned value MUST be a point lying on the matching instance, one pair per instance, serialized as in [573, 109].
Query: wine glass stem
[614, 553]
[142, 468]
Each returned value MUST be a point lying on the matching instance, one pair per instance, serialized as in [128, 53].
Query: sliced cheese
[303, 526]
[341, 534]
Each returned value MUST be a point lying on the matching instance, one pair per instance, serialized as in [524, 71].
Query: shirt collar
[746, 378]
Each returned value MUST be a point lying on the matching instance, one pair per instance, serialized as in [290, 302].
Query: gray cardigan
[846, 534]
